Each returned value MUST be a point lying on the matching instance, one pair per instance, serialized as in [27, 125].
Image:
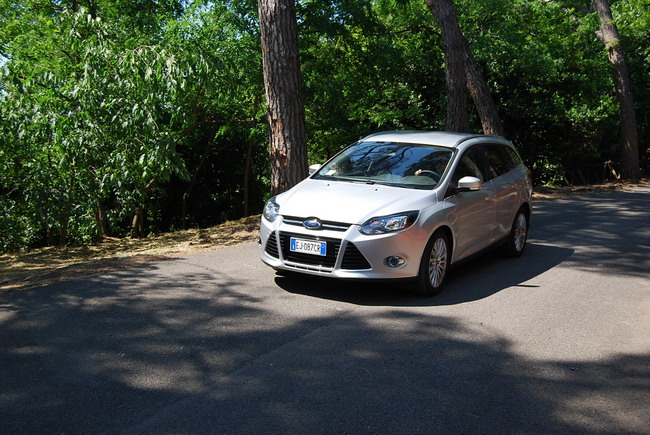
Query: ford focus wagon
[401, 205]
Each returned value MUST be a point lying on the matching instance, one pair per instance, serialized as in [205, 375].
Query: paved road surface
[556, 341]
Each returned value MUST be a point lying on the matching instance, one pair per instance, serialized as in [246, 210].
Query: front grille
[272, 246]
[353, 259]
[333, 246]
[327, 225]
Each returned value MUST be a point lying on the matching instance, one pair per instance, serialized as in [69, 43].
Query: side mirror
[314, 168]
[469, 184]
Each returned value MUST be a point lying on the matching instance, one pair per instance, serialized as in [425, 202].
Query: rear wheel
[518, 234]
[434, 265]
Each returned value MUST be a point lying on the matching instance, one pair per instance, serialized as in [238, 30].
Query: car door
[475, 210]
[506, 185]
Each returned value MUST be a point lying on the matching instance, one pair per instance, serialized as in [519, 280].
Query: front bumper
[350, 254]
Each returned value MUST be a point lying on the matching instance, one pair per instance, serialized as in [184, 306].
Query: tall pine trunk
[286, 112]
[462, 71]
[452, 42]
[485, 106]
[608, 34]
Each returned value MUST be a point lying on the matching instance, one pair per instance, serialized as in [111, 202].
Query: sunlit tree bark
[463, 72]
[608, 34]
[487, 109]
[286, 113]
[452, 43]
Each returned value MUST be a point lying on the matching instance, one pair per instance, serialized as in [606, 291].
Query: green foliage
[227, 109]
[368, 67]
[552, 88]
[379, 65]
[96, 124]
[121, 108]
[92, 119]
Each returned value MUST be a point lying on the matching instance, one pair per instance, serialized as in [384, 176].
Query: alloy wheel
[438, 262]
[520, 232]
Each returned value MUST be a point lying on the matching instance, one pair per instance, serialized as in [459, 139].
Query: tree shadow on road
[189, 346]
[470, 281]
[611, 230]
[135, 355]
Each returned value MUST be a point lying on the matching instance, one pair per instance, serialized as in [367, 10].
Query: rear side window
[513, 156]
[500, 159]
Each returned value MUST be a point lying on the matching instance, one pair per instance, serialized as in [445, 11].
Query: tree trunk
[51, 240]
[286, 112]
[452, 43]
[462, 72]
[137, 224]
[487, 109]
[102, 222]
[608, 34]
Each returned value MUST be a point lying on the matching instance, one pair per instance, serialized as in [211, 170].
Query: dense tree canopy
[129, 117]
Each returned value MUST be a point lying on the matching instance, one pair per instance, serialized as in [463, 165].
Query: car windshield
[399, 164]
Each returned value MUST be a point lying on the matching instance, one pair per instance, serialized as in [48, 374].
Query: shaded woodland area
[124, 118]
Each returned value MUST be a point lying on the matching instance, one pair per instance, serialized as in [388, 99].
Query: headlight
[271, 210]
[387, 224]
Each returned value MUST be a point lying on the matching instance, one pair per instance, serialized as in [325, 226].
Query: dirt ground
[22, 270]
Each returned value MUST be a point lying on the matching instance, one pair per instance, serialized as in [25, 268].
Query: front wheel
[434, 265]
[516, 241]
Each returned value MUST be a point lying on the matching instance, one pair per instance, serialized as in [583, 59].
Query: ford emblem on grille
[312, 224]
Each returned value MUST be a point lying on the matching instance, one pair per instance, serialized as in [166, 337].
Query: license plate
[308, 247]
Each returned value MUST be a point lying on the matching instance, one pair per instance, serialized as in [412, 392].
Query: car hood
[352, 203]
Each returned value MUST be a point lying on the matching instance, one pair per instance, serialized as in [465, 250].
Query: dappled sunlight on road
[216, 342]
[592, 224]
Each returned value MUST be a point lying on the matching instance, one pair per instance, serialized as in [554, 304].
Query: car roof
[442, 138]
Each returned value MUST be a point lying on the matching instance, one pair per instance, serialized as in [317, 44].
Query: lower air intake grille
[272, 246]
[353, 259]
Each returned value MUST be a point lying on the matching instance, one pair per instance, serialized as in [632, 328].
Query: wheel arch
[450, 237]
[422, 285]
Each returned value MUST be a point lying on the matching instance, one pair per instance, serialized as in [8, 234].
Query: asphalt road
[556, 341]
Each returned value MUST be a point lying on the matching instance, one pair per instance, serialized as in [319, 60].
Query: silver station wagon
[401, 205]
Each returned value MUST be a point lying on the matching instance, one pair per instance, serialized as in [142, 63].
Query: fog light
[395, 261]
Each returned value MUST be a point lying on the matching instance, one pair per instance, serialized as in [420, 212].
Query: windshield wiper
[350, 180]
[360, 180]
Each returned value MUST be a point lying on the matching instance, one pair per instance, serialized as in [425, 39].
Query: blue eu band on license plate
[308, 247]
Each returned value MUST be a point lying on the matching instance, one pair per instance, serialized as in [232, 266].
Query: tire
[516, 241]
[434, 265]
